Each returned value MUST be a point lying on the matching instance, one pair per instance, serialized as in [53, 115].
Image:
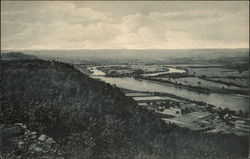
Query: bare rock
[42, 137]
[23, 126]
[23, 143]
[49, 141]
[35, 148]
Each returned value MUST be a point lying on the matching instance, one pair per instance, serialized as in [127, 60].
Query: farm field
[150, 68]
[137, 94]
[217, 72]
[242, 82]
[194, 81]
[188, 115]
[151, 98]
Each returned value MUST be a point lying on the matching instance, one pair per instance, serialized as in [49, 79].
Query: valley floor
[196, 116]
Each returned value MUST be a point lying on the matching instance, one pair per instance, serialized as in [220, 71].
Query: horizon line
[117, 49]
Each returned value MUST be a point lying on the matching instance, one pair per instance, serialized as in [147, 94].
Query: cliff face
[87, 118]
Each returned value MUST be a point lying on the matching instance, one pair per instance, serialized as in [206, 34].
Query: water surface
[233, 102]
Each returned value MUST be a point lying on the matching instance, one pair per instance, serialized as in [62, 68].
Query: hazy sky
[124, 25]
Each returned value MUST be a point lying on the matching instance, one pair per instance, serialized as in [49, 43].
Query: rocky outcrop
[16, 141]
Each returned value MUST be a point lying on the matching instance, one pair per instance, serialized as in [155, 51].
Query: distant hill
[114, 56]
[151, 54]
[92, 119]
[17, 56]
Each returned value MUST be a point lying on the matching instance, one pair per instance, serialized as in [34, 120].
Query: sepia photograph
[124, 80]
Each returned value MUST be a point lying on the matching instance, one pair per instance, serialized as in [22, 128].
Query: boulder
[42, 137]
[21, 144]
[49, 141]
[23, 126]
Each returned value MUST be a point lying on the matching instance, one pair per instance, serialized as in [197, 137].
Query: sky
[58, 25]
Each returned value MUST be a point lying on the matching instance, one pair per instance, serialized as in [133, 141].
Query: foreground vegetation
[92, 119]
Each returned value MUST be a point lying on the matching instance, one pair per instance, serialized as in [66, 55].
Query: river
[170, 70]
[231, 101]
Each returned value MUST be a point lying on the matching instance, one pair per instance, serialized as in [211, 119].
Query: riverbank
[170, 76]
[232, 101]
[193, 88]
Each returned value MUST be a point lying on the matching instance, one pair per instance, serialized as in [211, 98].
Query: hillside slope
[92, 119]
[17, 56]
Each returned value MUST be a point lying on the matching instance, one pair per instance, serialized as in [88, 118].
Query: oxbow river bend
[231, 101]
